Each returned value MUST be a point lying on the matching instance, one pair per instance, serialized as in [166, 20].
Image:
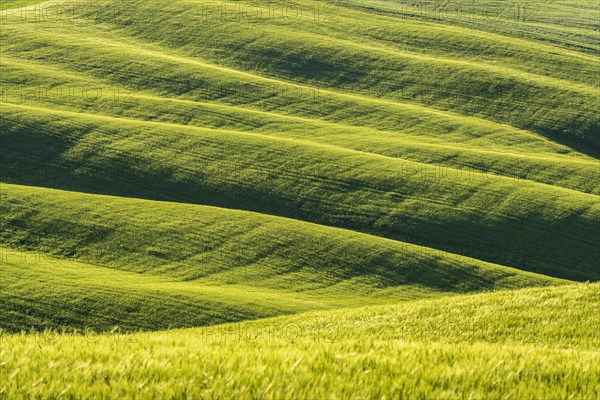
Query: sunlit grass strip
[528, 343]
[499, 150]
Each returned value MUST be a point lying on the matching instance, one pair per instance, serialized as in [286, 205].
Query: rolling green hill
[191, 246]
[534, 227]
[526, 343]
[101, 299]
[410, 189]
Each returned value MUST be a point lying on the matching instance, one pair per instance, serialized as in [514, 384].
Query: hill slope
[207, 255]
[527, 343]
[335, 199]
[534, 227]
[39, 292]
[360, 151]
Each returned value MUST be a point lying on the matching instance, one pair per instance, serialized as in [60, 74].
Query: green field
[299, 199]
[529, 343]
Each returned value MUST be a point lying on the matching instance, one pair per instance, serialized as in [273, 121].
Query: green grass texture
[331, 54]
[299, 199]
[320, 115]
[41, 292]
[200, 245]
[524, 343]
[527, 225]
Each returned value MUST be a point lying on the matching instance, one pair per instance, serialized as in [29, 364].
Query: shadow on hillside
[575, 144]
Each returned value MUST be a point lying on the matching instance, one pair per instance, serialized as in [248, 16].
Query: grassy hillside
[527, 343]
[201, 246]
[564, 24]
[446, 140]
[534, 227]
[299, 199]
[315, 54]
[231, 113]
[102, 299]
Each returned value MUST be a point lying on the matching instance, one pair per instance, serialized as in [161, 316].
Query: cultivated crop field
[299, 199]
